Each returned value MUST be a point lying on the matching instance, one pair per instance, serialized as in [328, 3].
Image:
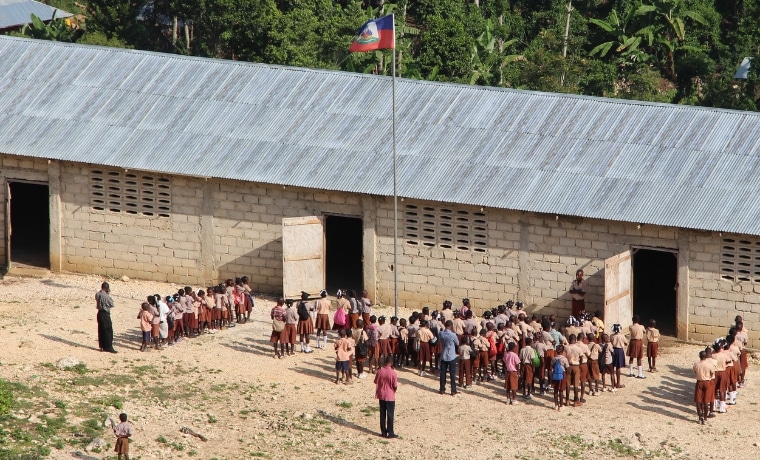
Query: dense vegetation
[680, 51]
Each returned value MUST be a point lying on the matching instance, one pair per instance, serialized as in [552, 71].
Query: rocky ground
[228, 388]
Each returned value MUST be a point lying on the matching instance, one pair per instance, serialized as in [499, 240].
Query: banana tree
[488, 57]
[667, 27]
[625, 43]
[57, 30]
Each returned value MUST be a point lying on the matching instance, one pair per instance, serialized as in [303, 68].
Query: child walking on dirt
[653, 345]
[122, 431]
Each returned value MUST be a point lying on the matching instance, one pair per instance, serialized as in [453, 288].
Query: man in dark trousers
[104, 303]
[386, 384]
[449, 352]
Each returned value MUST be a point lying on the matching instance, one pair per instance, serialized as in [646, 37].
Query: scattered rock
[109, 422]
[97, 443]
[189, 431]
[34, 419]
[82, 455]
[65, 363]
[306, 416]
[125, 278]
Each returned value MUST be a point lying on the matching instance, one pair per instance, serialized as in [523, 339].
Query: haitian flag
[375, 34]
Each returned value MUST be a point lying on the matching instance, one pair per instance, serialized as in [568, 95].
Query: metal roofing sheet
[592, 157]
[15, 13]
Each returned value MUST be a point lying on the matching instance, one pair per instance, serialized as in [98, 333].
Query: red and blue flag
[375, 34]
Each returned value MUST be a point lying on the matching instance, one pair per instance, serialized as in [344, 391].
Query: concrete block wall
[16, 168]
[117, 243]
[714, 302]
[247, 226]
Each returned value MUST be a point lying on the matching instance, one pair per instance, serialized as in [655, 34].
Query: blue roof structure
[16, 13]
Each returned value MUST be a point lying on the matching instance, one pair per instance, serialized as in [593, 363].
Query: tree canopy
[679, 51]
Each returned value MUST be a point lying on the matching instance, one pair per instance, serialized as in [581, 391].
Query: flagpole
[395, 183]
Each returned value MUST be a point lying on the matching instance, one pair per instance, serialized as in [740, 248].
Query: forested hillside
[680, 51]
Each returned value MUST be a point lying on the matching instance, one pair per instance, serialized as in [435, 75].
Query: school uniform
[383, 339]
[512, 366]
[526, 361]
[365, 306]
[578, 302]
[306, 326]
[721, 380]
[424, 335]
[323, 314]
[635, 347]
[277, 313]
[465, 369]
[743, 339]
[583, 366]
[573, 353]
[393, 339]
[594, 371]
[704, 391]
[618, 342]
[345, 306]
[354, 312]
[288, 334]
[560, 384]
[653, 342]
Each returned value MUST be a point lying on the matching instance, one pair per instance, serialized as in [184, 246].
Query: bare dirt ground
[229, 388]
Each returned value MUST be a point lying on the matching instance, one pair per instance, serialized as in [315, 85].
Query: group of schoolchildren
[169, 320]
[720, 372]
[504, 343]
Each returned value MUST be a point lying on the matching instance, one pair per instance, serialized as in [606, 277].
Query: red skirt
[248, 303]
[288, 335]
[323, 322]
[510, 381]
[305, 327]
[527, 373]
[353, 318]
[743, 360]
[721, 384]
[385, 347]
[424, 353]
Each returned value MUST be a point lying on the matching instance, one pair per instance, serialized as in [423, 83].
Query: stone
[97, 443]
[125, 278]
[65, 363]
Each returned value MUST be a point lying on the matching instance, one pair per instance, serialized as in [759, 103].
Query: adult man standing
[104, 304]
[386, 384]
[449, 351]
[578, 293]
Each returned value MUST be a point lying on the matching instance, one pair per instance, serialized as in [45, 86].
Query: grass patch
[345, 405]
[109, 401]
[369, 410]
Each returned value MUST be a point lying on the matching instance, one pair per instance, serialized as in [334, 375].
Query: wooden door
[8, 228]
[618, 305]
[303, 256]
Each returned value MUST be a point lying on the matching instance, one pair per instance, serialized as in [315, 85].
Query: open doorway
[343, 253]
[29, 224]
[655, 278]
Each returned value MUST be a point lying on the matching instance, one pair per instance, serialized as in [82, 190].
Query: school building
[190, 170]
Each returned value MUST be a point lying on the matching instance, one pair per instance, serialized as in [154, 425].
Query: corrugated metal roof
[601, 158]
[15, 13]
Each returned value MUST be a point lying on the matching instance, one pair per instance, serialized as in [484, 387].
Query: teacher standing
[386, 384]
[104, 304]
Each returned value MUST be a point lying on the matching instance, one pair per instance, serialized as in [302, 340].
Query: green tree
[57, 30]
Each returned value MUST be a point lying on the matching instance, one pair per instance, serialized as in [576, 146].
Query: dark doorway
[655, 274]
[343, 258]
[30, 224]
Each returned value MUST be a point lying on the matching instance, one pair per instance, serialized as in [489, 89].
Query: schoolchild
[288, 336]
[512, 369]
[526, 361]
[733, 367]
[362, 349]
[366, 307]
[383, 339]
[559, 369]
[145, 317]
[341, 319]
[618, 354]
[593, 364]
[704, 391]
[481, 345]
[465, 366]
[122, 431]
[636, 348]
[424, 335]
[178, 311]
[373, 346]
[305, 325]
[342, 354]
[653, 345]
[722, 358]
[606, 359]
[402, 349]
[277, 314]
[323, 319]
[541, 348]
[394, 336]
[354, 312]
